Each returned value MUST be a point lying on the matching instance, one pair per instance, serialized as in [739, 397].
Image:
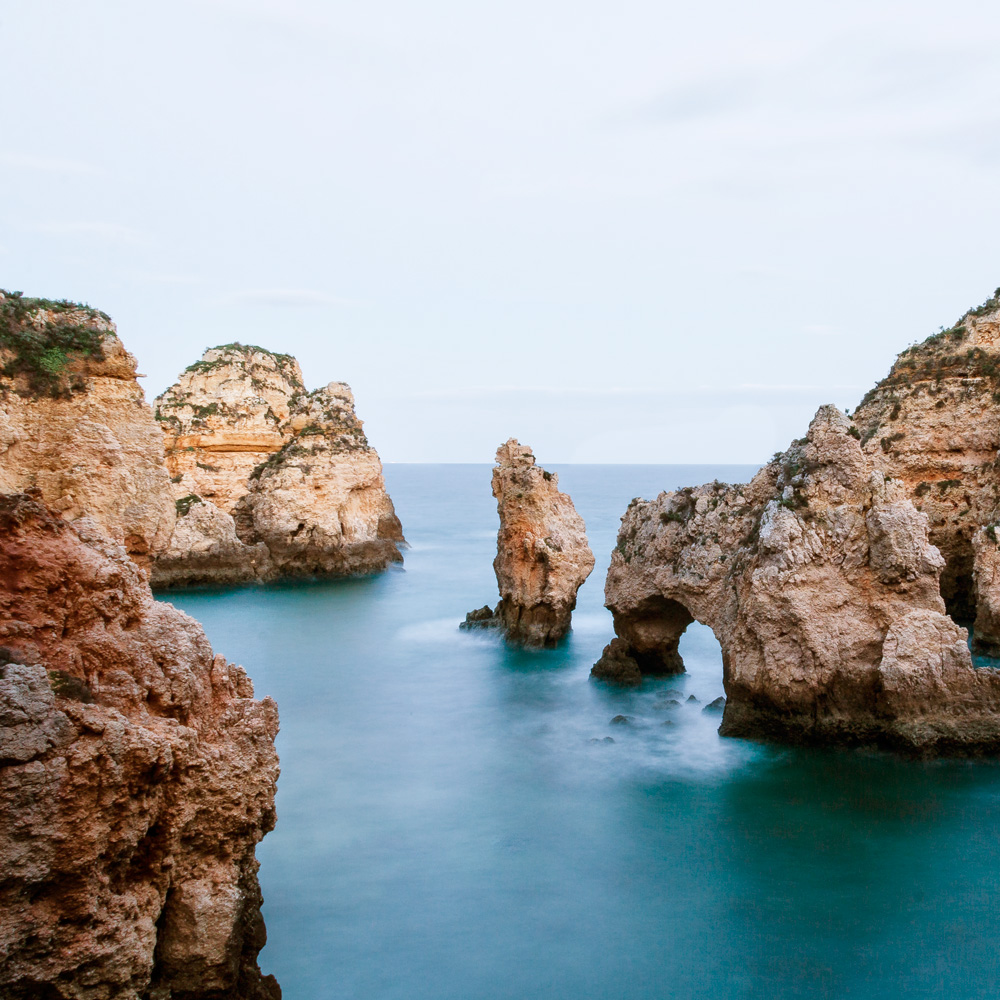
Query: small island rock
[542, 552]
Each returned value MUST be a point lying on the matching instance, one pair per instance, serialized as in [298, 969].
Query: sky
[639, 231]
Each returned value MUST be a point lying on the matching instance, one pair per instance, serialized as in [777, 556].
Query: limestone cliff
[934, 424]
[138, 774]
[820, 583]
[74, 423]
[270, 479]
[542, 553]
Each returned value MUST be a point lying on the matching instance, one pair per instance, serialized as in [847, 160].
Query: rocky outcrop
[269, 479]
[74, 423]
[138, 774]
[205, 549]
[227, 414]
[820, 583]
[934, 425]
[542, 552]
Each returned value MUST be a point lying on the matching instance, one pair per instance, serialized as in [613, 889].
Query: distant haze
[622, 232]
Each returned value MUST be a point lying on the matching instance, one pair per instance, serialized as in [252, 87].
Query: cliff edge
[74, 423]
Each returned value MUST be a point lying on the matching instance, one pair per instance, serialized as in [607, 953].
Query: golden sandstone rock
[542, 552]
[271, 480]
[74, 423]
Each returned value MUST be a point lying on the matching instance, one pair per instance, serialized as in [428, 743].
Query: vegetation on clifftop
[41, 353]
[282, 361]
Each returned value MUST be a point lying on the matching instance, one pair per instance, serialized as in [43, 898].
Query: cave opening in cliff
[957, 586]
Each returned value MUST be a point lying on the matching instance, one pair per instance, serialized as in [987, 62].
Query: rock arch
[822, 588]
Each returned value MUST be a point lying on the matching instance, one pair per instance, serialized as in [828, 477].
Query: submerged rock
[820, 583]
[542, 552]
[298, 489]
[138, 774]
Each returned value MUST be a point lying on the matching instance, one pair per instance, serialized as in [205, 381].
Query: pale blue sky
[629, 231]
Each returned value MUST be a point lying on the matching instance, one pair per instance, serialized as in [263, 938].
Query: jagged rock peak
[139, 774]
[74, 423]
[542, 552]
[820, 583]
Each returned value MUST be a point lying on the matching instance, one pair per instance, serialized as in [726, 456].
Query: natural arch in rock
[820, 584]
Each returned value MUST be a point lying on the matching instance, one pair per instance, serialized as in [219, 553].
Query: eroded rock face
[820, 583]
[934, 424]
[74, 423]
[138, 774]
[228, 413]
[294, 485]
[542, 552]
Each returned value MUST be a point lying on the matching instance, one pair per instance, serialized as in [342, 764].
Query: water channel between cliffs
[454, 825]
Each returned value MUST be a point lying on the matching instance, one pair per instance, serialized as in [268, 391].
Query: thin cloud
[289, 298]
[110, 232]
[48, 164]
[165, 279]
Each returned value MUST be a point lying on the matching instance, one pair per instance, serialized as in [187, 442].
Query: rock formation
[542, 552]
[269, 479]
[138, 775]
[820, 583]
[74, 423]
[934, 424]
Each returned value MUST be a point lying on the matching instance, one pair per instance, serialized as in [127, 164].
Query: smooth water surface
[454, 825]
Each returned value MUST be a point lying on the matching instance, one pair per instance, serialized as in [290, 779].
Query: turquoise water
[449, 830]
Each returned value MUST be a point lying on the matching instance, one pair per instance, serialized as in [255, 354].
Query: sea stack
[269, 479]
[138, 774]
[542, 552]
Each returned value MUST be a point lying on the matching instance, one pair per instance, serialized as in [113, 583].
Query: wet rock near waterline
[621, 720]
[617, 666]
[484, 617]
[715, 706]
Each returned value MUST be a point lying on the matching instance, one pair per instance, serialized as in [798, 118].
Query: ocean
[462, 821]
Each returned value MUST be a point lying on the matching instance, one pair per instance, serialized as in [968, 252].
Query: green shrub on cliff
[42, 354]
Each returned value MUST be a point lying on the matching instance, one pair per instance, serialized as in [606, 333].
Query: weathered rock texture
[270, 479]
[542, 552]
[820, 583]
[74, 423]
[138, 774]
[934, 424]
